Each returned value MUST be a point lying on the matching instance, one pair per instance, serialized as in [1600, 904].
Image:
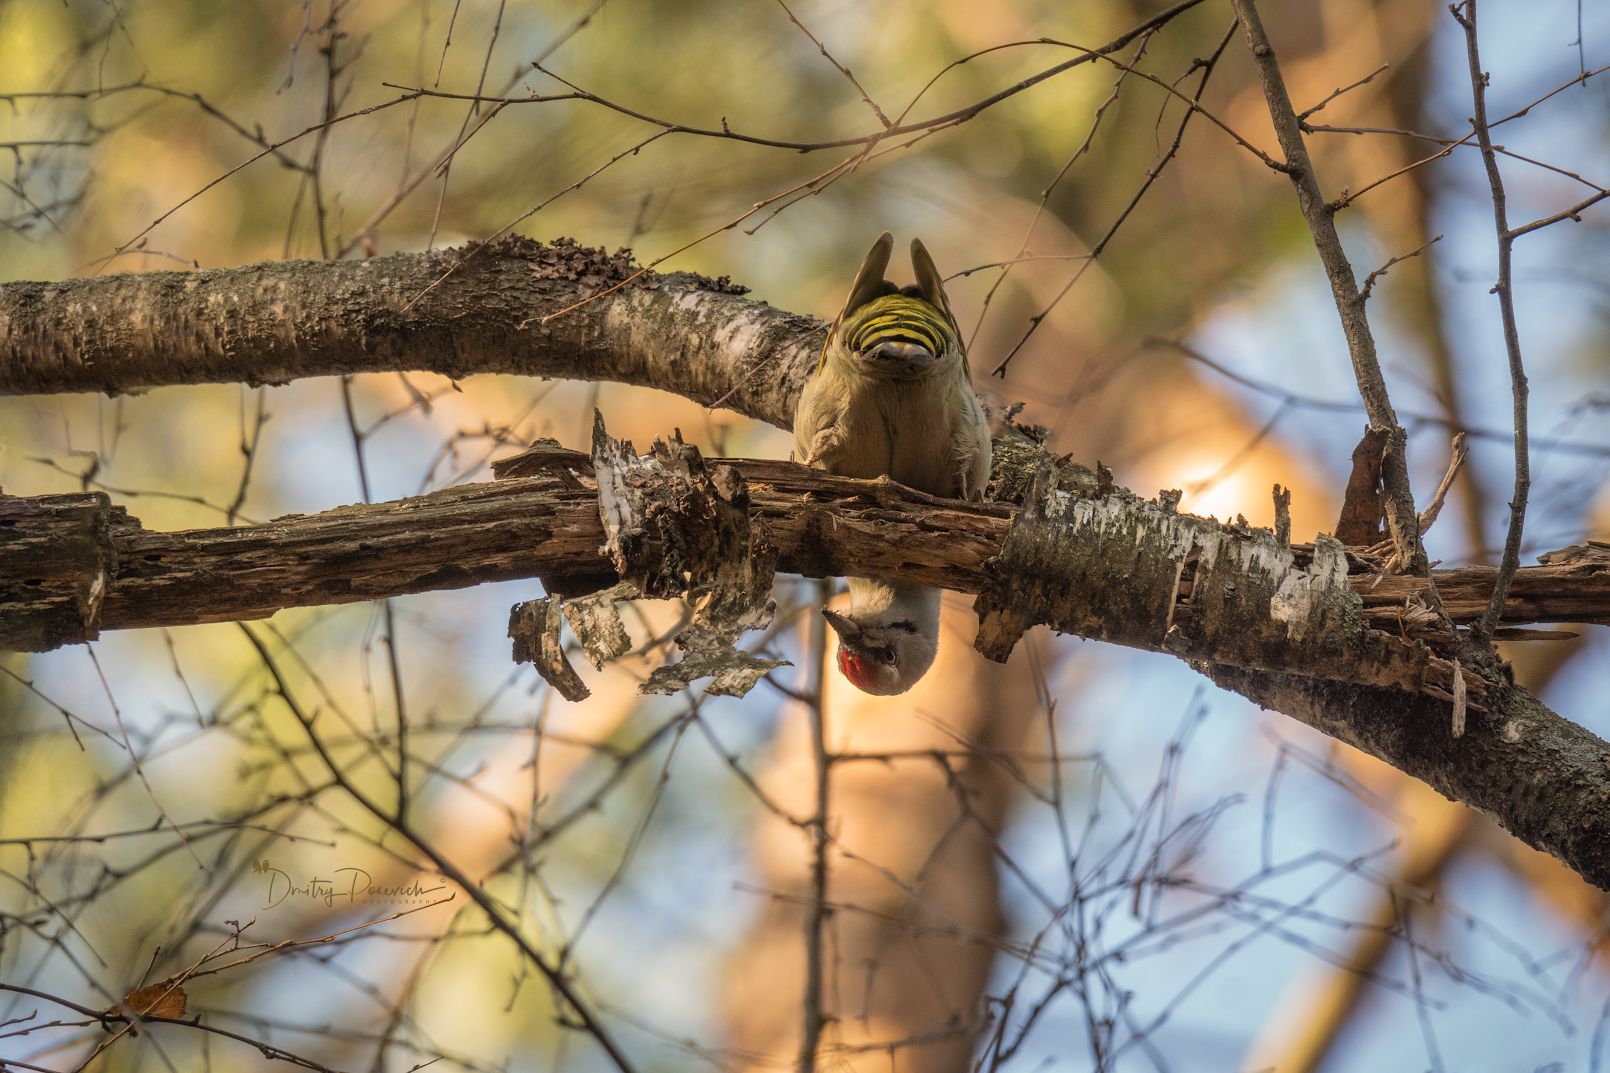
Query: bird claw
[886, 491]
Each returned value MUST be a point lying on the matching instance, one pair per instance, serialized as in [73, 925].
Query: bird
[892, 396]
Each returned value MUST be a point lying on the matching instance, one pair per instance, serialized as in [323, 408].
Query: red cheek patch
[854, 668]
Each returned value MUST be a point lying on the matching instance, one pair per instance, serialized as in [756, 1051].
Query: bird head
[884, 652]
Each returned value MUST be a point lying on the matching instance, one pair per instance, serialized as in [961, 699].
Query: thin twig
[390, 638]
[1417, 417]
[134, 758]
[1193, 107]
[271, 150]
[1450, 144]
[249, 443]
[1022, 254]
[948, 119]
[1456, 462]
[474, 890]
[843, 70]
[1465, 15]
[816, 910]
[1369, 280]
[1302, 117]
[469, 117]
[1574, 213]
[1401, 517]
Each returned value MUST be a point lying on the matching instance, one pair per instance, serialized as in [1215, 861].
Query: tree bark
[479, 309]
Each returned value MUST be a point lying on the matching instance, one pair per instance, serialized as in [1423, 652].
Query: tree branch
[484, 313]
[1268, 624]
[548, 528]
[1401, 518]
[1465, 15]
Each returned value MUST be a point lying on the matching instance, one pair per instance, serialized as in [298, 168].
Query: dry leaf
[163, 999]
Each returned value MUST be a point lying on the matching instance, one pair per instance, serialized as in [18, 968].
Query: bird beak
[847, 629]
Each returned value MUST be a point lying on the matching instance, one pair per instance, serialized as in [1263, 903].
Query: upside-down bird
[892, 397]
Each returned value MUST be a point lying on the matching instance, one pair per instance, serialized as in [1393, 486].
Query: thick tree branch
[75, 565]
[479, 309]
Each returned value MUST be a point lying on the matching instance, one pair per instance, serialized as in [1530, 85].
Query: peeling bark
[1362, 512]
[534, 628]
[674, 527]
[1136, 573]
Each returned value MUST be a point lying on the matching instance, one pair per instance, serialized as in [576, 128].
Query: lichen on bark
[1135, 572]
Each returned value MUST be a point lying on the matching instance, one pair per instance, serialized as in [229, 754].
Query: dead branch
[548, 527]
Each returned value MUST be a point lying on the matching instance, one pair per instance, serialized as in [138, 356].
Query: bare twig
[1574, 214]
[1040, 209]
[1401, 517]
[249, 444]
[948, 119]
[1450, 144]
[1456, 462]
[556, 979]
[1300, 401]
[843, 70]
[817, 908]
[134, 757]
[1369, 280]
[1465, 14]
[446, 171]
[271, 149]
[1304, 116]
[1152, 174]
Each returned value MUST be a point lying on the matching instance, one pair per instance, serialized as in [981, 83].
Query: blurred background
[1087, 859]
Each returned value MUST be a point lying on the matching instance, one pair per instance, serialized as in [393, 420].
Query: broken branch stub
[675, 528]
[56, 562]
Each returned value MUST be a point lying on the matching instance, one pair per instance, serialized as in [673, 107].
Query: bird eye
[886, 656]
